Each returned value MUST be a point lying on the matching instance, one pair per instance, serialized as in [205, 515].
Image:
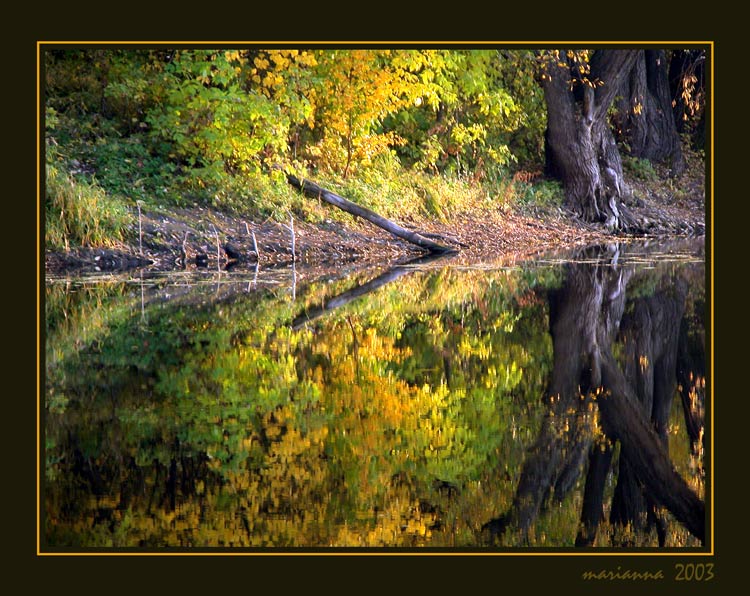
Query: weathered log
[312, 189]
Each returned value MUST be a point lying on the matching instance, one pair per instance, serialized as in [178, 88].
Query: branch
[611, 67]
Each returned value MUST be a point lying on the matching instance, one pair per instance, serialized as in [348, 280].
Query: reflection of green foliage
[408, 407]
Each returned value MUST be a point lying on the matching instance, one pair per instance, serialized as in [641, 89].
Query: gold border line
[713, 327]
[38, 296]
[370, 553]
[393, 42]
[303, 552]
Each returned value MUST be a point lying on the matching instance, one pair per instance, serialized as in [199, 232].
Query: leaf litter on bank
[499, 235]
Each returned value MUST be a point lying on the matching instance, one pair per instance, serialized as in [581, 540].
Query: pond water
[432, 405]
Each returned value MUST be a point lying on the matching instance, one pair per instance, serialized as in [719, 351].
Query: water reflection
[431, 405]
[630, 397]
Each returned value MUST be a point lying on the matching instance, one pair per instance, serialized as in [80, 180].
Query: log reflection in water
[348, 296]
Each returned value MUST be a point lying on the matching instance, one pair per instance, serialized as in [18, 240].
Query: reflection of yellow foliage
[400, 524]
[343, 434]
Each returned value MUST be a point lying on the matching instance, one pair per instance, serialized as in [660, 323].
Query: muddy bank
[199, 238]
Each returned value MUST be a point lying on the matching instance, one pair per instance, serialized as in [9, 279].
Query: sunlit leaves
[209, 124]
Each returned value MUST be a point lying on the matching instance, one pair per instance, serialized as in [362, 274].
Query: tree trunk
[581, 148]
[645, 112]
[689, 67]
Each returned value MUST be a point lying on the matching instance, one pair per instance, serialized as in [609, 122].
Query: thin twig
[183, 250]
[255, 248]
[218, 248]
[140, 233]
[291, 229]
[294, 281]
[255, 242]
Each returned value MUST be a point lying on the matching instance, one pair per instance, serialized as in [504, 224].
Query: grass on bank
[85, 211]
[82, 211]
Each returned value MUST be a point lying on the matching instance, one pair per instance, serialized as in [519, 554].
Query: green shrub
[639, 168]
[544, 193]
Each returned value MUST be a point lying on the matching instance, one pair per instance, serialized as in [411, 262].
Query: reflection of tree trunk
[592, 510]
[585, 316]
[691, 374]
[649, 333]
[668, 307]
[628, 502]
[623, 420]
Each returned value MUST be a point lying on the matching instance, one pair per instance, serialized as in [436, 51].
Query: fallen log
[312, 189]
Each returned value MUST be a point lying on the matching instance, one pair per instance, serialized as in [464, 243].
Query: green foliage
[205, 126]
[464, 116]
[208, 123]
[543, 193]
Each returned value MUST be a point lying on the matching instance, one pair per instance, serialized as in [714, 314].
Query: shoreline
[186, 238]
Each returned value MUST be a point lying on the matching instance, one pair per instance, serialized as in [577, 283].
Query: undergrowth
[84, 211]
[80, 213]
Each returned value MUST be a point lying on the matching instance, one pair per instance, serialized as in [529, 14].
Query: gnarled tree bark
[645, 113]
[581, 149]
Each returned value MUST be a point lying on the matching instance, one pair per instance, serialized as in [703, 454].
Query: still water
[432, 405]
